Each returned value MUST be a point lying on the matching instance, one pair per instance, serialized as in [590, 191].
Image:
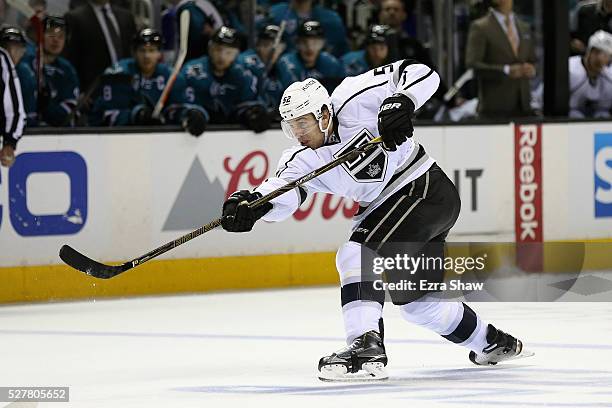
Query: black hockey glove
[256, 118]
[194, 122]
[142, 115]
[238, 216]
[395, 121]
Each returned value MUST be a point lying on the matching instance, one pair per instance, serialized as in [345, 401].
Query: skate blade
[338, 372]
[523, 354]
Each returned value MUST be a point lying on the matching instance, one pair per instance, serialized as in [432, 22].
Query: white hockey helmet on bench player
[601, 40]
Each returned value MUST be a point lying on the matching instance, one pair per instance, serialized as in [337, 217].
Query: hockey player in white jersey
[404, 197]
[591, 79]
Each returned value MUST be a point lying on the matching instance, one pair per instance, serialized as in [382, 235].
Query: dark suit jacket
[86, 48]
[488, 50]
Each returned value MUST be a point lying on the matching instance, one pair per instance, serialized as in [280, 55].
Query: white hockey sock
[359, 310]
[360, 317]
[455, 321]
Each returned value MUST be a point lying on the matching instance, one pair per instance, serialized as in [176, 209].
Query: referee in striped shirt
[12, 113]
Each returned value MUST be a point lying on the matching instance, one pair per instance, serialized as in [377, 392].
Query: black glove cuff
[411, 107]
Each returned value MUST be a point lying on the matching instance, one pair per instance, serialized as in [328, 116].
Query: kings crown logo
[373, 170]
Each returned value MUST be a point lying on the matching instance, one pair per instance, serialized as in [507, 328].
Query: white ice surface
[257, 349]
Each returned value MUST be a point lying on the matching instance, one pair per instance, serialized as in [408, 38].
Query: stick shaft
[22, 6]
[102, 271]
[184, 42]
[276, 43]
[268, 197]
[173, 244]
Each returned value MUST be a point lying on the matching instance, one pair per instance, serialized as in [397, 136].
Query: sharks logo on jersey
[369, 167]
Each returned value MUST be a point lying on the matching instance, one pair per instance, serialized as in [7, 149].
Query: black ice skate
[502, 347]
[364, 359]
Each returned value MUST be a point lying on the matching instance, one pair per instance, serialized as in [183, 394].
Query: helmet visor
[300, 128]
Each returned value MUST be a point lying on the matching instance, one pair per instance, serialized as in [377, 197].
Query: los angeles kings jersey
[374, 176]
[589, 97]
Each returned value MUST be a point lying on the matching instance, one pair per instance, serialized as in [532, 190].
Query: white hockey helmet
[303, 98]
[601, 40]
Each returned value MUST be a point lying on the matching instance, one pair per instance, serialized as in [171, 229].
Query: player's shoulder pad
[195, 67]
[249, 58]
[124, 66]
[288, 61]
[239, 70]
[400, 66]
[203, 60]
[371, 84]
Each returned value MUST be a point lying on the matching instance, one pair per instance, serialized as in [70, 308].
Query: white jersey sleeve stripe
[279, 172]
[420, 79]
[418, 82]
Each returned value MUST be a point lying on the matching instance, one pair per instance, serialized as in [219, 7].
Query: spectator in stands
[373, 54]
[100, 36]
[310, 61]
[261, 62]
[590, 17]
[133, 86]
[393, 14]
[12, 114]
[56, 103]
[29, 91]
[591, 79]
[501, 51]
[225, 88]
[403, 46]
[297, 12]
[204, 20]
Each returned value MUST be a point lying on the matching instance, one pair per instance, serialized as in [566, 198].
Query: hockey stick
[184, 37]
[467, 76]
[99, 270]
[23, 7]
[277, 40]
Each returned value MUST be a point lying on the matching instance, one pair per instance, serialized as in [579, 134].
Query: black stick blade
[80, 262]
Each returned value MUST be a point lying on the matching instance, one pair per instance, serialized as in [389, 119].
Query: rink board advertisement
[117, 196]
[577, 172]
